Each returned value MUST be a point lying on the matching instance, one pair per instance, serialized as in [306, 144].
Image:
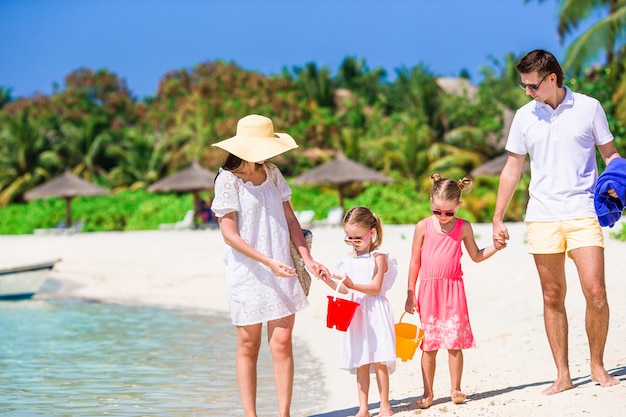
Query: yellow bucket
[408, 338]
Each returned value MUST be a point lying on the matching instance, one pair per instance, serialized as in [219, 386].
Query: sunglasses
[358, 241]
[533, 87]
[443, 213]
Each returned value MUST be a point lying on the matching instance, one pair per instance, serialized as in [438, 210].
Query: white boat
[24, 280]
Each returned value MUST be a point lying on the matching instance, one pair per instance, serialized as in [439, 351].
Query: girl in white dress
[369, 344]
[257, 222]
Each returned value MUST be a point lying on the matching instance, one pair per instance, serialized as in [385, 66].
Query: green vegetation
[406, 128]
[619, 234]
[397, 203]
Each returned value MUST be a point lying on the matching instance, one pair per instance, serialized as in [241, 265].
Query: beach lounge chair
[334, 218]
[60, 229]
[184, 224]
[305, 218]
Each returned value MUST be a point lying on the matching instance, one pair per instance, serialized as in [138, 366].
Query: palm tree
[141, 159]
[355, 75]
[25, 156]
[316, 84]
[83, 146]
[500, 83]
[605, 36]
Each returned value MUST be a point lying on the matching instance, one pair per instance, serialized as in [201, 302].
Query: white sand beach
[503, 376]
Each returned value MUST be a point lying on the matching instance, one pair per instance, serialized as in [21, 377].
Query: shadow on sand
[408, 403]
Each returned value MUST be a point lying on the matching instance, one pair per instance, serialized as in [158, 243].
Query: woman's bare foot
[362, 413]
[425, 402]
[458, 397]
[385, 411]
[558, 386]
[603, 378]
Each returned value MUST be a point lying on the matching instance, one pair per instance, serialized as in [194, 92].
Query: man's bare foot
[603, 378]
[458, 397]
[558, 386]
[425, 402]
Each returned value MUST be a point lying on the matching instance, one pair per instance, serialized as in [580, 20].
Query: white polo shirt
[561, 144]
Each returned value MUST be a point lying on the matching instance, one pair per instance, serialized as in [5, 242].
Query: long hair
[232, 162]
[364, 217]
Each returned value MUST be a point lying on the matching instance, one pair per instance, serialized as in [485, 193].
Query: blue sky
[41, 41]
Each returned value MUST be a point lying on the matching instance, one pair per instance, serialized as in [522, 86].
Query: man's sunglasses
[533, 87]
[443, 213]
[358, 241]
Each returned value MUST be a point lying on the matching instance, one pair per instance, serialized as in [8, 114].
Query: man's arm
[509, 178]
[608, 152]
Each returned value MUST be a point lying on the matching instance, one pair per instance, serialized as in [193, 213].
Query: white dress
[371, 337]
[255, 294]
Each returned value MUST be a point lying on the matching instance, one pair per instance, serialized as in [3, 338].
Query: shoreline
[503, 375]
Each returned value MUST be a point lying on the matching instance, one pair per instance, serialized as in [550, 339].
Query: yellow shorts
[563, 236]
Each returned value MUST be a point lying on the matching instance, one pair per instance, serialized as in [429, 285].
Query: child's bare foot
[558, 386]
[603, 378]
[458, 397]
[425, 402]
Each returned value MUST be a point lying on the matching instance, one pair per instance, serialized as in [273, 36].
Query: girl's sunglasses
[357, 241]
[443, 213]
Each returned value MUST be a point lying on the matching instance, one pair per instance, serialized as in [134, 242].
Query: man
[560, 131]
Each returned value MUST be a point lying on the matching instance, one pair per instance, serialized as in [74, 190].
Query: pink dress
[441, 296]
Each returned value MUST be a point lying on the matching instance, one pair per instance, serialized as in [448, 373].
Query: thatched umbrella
[192, 179]
[494, 166]
[66, 186]
[341, 172]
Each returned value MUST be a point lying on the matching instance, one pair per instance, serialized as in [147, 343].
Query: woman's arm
[297, 236]
[228, 227]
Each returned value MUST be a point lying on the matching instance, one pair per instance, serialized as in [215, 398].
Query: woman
[257, 223]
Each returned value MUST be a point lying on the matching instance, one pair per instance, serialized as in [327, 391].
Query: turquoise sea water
[73, 358]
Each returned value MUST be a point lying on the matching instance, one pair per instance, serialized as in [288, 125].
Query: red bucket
[340, 311]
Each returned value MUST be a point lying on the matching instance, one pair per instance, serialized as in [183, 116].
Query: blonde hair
[449, 190]
[364, 217]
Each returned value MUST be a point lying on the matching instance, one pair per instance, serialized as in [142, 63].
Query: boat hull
[23, 281]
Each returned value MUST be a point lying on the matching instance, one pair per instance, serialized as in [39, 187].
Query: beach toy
[408, 338]
[340, 311]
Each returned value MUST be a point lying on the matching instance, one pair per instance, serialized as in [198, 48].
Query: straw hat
[256, 140]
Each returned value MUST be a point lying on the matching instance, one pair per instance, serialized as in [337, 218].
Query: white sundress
[371, 337]
[255, 294]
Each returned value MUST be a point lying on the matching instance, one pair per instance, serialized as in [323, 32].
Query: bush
[399, 203]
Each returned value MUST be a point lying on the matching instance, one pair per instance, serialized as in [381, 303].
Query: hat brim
[256, 149]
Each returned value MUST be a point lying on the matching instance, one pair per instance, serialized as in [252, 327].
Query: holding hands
[319, 270]
[500, 235]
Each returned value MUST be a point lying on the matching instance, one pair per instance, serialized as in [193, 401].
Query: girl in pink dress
[369, 344]
[441, 304]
